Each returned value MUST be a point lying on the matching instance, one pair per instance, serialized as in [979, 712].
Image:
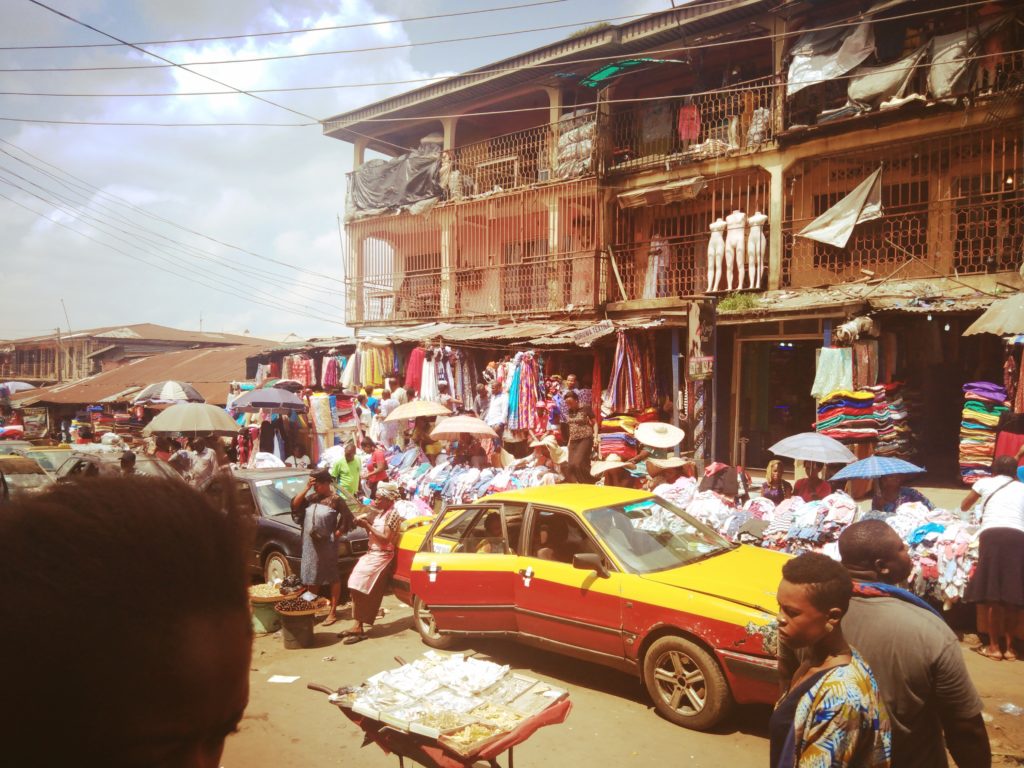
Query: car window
[558, 536]
[275, 495]
[450, 530]
[48, 460]
[485, 535]
[514, 515]
[148, 467]
[653, 535]
[22, 480]
[244, 501]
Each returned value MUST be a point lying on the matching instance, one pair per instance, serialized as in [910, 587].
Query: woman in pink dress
[369, 579]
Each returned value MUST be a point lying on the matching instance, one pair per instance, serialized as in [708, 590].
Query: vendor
[657, 438]
[369, 579]
[891, 493]
[420, 436]
[613, 472]
[324, 517]
[468, 451]
[673, 479]
[775, 488]
[812, 487]
[547, 453]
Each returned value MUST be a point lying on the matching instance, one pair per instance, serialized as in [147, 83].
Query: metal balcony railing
[690, 128]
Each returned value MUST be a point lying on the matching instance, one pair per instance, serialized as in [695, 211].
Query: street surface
[612, 722]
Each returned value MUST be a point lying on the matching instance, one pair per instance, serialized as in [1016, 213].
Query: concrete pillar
[356, 283]
[358, 152]
[447, 300]
[554, 113]
[449, 124]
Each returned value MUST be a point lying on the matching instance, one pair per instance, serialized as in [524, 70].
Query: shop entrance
[772, 391]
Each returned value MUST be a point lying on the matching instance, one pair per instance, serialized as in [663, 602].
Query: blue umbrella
[876, 466]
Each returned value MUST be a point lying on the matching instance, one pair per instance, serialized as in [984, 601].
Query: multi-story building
[586, 180]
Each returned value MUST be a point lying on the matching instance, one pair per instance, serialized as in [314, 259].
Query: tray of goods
[296, 606]
[537, 698]
[433, 722]
[266, 593]
[508, 688]
[373, 700]
[403, 717]
[470, 739]
[498, 715]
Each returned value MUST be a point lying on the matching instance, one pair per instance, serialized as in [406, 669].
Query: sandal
[329, 621]
[1010, 655]
[984, 651]
[353, 638]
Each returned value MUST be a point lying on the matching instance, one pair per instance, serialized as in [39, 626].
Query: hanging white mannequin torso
[755, 249]
[716, 254]
[735, 247]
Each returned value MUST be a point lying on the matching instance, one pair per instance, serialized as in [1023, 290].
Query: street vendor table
[427, 748]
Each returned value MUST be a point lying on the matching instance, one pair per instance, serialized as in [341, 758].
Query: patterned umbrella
[876, 466]
[813, 446]
[169, 392]
[272, 400]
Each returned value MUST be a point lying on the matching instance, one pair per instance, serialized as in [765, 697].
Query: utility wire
[852, 21]
[191, 278]
[331, 124]
[242, 36]
[188, 250]
[68, 207]
[161, 219]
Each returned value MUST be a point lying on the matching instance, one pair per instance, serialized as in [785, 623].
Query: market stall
[449, 710]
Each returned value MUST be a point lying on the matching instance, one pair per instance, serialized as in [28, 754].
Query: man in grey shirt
[915, 656]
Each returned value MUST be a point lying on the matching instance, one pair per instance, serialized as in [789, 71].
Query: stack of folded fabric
[621, 443]
[895, 437]
[848, 416]
[984, 403]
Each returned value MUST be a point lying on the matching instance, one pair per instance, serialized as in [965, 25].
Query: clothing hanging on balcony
[657, 266]
[689, 123]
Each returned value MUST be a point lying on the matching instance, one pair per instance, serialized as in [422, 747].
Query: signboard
[700, 359]
[587, 336]
[35, 422]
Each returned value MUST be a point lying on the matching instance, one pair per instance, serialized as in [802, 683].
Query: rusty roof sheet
[209, 370]
[151, 332]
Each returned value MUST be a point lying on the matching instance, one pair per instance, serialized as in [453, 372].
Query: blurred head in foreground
[126, 626]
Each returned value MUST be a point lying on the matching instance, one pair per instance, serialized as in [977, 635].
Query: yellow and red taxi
[610, 575]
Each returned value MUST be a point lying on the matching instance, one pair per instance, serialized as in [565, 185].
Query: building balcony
[681, 130]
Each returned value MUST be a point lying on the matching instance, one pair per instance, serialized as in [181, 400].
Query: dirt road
[611, 723]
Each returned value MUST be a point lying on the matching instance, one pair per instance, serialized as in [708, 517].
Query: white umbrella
[453, 426]
[813, 446]
[17, 386]
[192, 419]
[417, 408]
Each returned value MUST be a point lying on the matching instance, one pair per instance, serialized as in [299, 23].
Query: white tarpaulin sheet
[951, 59]
[815, 59]
[869, 86]
[836, 224]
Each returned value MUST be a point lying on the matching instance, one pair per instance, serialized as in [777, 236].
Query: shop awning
[1004, 317]
[601, 77]
[662, 194]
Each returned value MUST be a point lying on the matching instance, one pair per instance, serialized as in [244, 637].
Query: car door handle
[432, 568]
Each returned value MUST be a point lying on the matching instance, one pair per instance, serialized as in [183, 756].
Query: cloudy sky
[233, 224]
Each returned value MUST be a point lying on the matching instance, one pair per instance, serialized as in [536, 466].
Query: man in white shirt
[497, 411]
[204, 463]
[387, 430]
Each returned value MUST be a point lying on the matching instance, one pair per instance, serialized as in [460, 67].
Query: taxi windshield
[653, 535]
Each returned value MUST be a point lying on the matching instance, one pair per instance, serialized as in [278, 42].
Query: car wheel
[686, 683]
[425, 625]
[275, 566]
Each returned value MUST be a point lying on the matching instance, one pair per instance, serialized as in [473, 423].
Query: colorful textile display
[524, 391]
[984, 404]
[848, 416]
[631, 386]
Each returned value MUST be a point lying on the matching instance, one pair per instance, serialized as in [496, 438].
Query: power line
[740, 88]
[243, 36]
[169, 222]
[188, 277]
[309, 54]
[188, 250]
[160, 254]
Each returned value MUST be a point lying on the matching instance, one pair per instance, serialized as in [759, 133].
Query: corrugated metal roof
[150, 332]
[655, 29]
[209, 370]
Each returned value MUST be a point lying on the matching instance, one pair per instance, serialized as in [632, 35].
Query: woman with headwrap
[369, 578]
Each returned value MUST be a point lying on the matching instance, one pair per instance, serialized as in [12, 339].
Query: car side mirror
[590, 561]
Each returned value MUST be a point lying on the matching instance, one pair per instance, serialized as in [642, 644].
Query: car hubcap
[681, 683]
[427, 621]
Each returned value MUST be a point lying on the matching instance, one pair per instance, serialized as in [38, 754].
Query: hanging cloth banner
[835, 225]
[869, 86]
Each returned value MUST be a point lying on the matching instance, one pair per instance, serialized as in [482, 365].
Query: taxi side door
[465, 570]
[572, 610]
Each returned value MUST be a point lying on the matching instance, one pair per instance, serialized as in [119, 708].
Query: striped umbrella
[876, 466]
[169, 392]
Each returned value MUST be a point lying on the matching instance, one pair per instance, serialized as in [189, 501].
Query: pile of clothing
[895, 437]
[622, 444]
[984, 404]
[848, 416]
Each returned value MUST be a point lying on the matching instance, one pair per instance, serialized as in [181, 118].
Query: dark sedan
[266, 494]
[80, 464]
